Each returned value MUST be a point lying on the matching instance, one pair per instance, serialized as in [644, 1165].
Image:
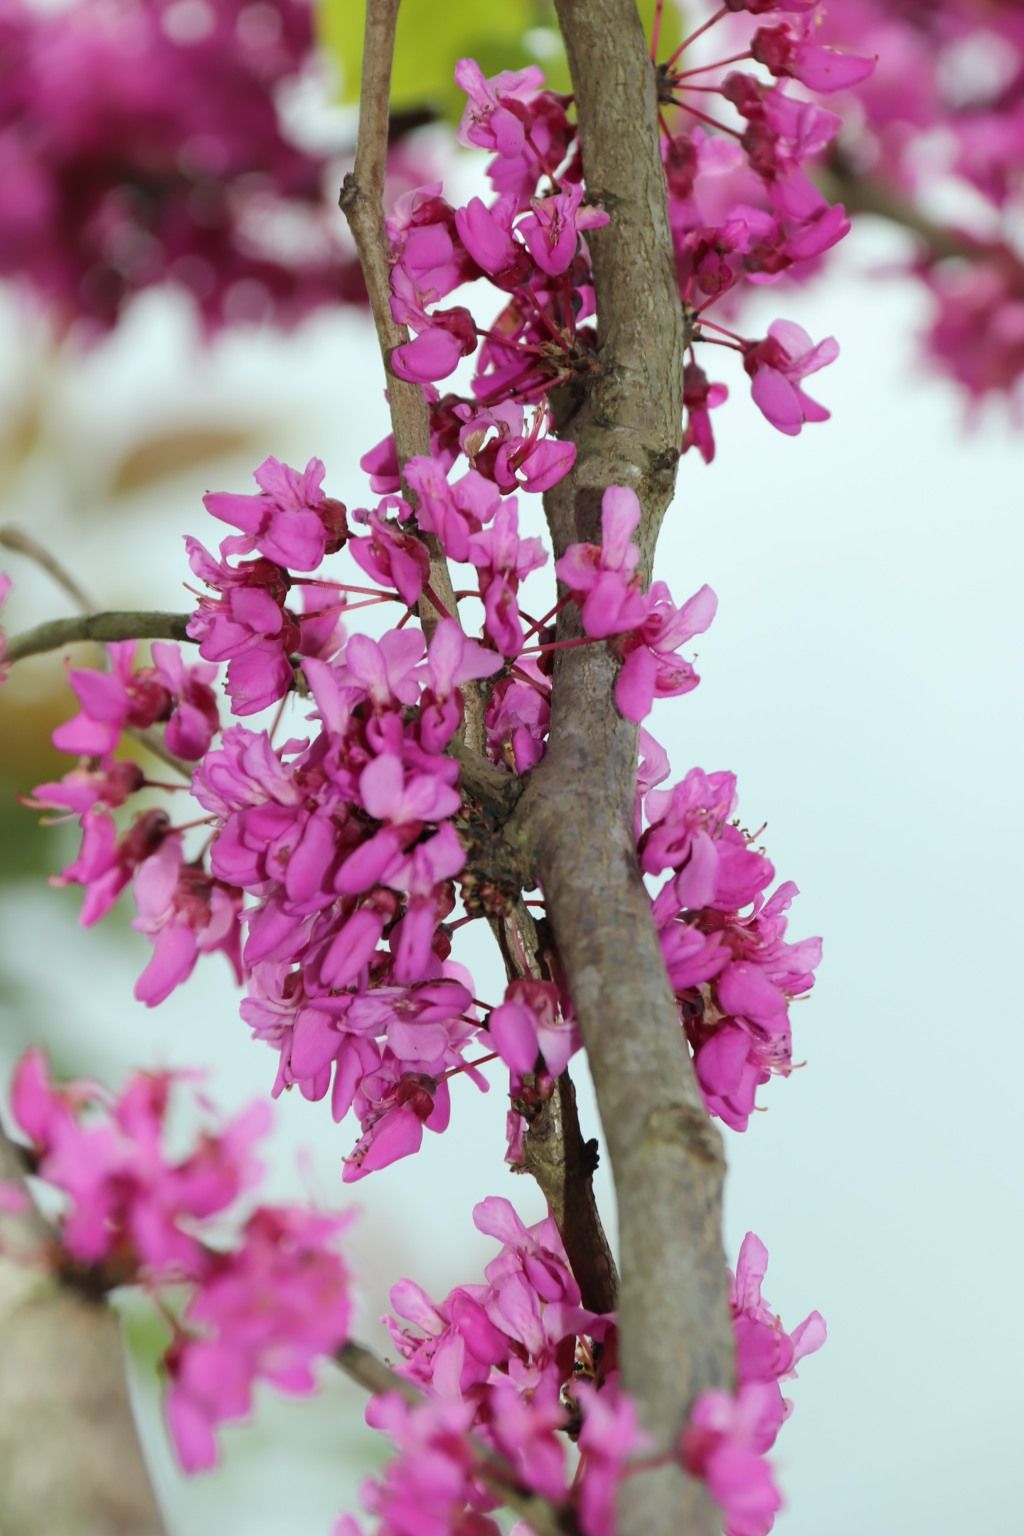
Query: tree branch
[576, 814]
[361, 202]
[100, 627]
[70, 1460]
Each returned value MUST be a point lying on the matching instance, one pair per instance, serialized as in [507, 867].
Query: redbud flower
[778, 365]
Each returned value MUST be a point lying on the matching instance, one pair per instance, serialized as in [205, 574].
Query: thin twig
[98, 627]
[13, 537]
[361, 201]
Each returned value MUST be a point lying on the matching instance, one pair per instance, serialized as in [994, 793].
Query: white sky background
[863, 680]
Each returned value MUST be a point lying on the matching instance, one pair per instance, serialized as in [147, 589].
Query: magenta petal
[721, 1060]
[430, 356]
[351, 949]
[778, 400]
[372, 863]
[825, 69]
[310, 859]
[315, 1043]
[101, 695]
[295, 540]
[513, 1029]
[397, 1134]
[745, 990]
[174, 957]
[636, 683]
[191, 1432]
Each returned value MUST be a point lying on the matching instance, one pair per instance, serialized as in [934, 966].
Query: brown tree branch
[361, 202]
[554, 1152]
[99, 627]
[70, 1460]
[576, 814]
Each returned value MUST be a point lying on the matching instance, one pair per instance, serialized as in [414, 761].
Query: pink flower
[195, 719]
[432, 355]
[452, 511]
[764, 1350]
[125, 1192]
[390, 555]
[700, 398]
[109, 784]
[552, 229]
[111, 700]
[106, 862]
[186, 913]
[491, 119]
[168, 691]
[269, 1310]
[452, 659]
[604, 580]
[290, 521]
[486, 234]
[609, 1437]
[778, 365]
[722, 1445]
[530, 1023]
[784, 50]
[430, 1488]
[651, 668]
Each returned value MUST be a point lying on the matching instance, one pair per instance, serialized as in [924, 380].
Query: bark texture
[576, 814]
[70, 1461]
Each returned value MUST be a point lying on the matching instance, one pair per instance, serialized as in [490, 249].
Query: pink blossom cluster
[511, 1364]
[507, 1366]
[939, 126]
[330, 868]
[742, 209]
[180, 907]
[265, 1308]
[723, 939]
[141, 143]
[728, 1435]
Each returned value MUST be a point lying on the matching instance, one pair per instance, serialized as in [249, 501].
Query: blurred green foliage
[433, 36]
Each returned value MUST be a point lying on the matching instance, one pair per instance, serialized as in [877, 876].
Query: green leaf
[434, 34]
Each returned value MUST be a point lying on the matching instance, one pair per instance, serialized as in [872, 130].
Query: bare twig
[554, 1151]
[70, 1460]
[543, 1517]
[12, 537]
[361, 201]
[564, 1166]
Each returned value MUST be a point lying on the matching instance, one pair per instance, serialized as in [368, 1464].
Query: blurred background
[863, 679]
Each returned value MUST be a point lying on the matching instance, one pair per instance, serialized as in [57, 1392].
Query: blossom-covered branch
[359, 802]
[578, 810]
